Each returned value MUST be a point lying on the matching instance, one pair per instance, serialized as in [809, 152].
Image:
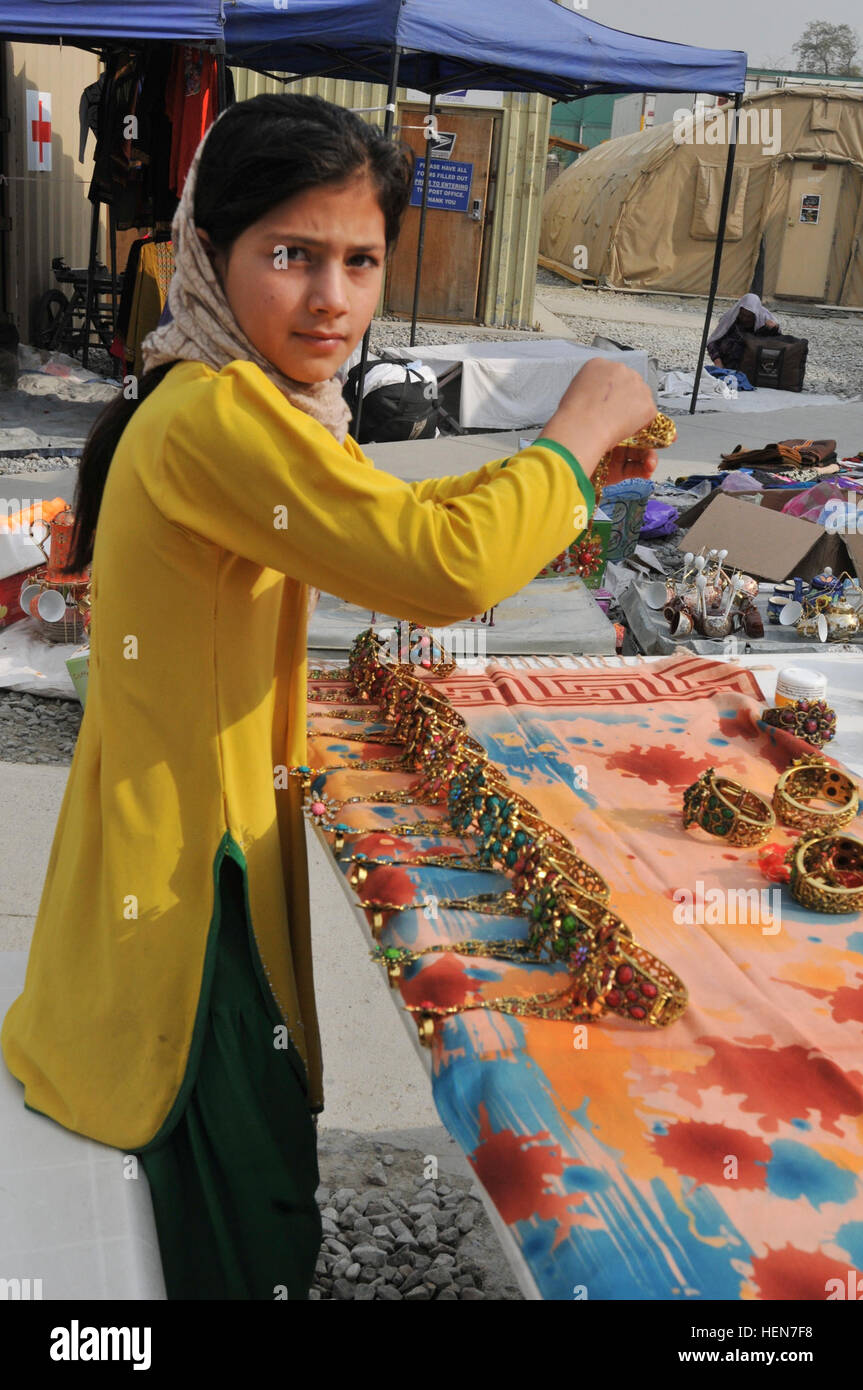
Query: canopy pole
[221, 77]
[389, 122]
[112, 231]
[91, 275]
[423, 210]
[720, 236]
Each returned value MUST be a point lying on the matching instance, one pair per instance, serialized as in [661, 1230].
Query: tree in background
[828, 48]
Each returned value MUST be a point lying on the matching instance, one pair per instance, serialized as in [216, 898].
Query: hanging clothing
[88, 113]
[223, 503]
[155, 135]
[143, 295]
[152, 278]
[133, 139]
[116, 178]
[191, 102]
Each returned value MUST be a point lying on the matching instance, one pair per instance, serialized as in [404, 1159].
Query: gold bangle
[724, 808]
[812, 777]
[818, 864]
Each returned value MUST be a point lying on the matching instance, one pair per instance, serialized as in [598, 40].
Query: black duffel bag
[405, 409]
[777, 360]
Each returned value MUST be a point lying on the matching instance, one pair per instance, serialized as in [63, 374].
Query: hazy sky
[765, 29]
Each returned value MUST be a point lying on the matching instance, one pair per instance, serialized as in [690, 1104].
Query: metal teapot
[843, 620]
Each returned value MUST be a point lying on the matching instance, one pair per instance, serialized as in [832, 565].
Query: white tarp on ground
[33, 666]
[513, 385]
[675, 394]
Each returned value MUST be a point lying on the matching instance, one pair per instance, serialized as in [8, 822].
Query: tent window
[709, 179]
[825, 114]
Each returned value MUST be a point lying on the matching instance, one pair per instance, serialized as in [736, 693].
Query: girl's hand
[604, 403]
[630, 463]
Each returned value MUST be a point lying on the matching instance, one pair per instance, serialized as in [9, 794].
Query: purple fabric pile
[660, 519]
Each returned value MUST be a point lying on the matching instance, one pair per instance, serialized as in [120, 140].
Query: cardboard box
[768, 544]
[772, 497]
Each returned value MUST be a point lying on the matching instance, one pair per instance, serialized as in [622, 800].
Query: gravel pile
[38, 461]
[36, 729]
[396, 1246]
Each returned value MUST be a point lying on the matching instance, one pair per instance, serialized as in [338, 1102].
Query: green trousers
[233, 1185]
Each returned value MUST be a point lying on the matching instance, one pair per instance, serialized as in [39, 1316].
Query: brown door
[810, 225]
[455, 221]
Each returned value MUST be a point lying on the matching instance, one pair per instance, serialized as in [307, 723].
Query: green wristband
[584, 483]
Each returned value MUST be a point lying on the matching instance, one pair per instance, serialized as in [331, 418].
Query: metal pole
[389, 122]
[423, 210]
[221, 78]
[91, 271]
[717, 259]
[112, 230]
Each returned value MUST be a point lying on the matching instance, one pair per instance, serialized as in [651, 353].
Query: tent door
[457, 221]
[810, 226]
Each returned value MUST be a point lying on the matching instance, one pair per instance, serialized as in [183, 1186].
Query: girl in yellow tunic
[168, 1008]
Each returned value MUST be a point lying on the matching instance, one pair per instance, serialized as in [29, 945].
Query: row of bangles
[565, 900]
[824, 868]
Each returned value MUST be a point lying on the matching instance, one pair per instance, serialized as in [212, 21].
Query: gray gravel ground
[391, 1235]
[834, 363]
[37, 462]
[34, 729]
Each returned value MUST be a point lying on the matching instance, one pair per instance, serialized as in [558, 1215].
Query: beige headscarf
[203, 328]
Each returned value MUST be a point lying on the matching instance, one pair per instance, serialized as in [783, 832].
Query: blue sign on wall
[449, 185]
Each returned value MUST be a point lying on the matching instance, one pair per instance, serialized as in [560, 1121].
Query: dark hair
[257, 154]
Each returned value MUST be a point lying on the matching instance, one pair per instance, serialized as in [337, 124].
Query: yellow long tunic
[222, 504]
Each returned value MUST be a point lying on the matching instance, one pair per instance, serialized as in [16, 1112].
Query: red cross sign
[39, 130]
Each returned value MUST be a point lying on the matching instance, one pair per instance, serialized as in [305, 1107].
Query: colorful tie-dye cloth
[719, 1158]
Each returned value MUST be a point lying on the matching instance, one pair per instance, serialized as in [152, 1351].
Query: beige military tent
[642, 211]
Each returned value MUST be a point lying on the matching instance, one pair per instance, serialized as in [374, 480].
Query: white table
[513, 385]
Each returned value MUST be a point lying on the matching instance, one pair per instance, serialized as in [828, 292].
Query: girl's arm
[459, 484]
[244, 469]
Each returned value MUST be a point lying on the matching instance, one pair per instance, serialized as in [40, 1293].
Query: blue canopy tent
[85, 23]
[508, 46]
[501, 45]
